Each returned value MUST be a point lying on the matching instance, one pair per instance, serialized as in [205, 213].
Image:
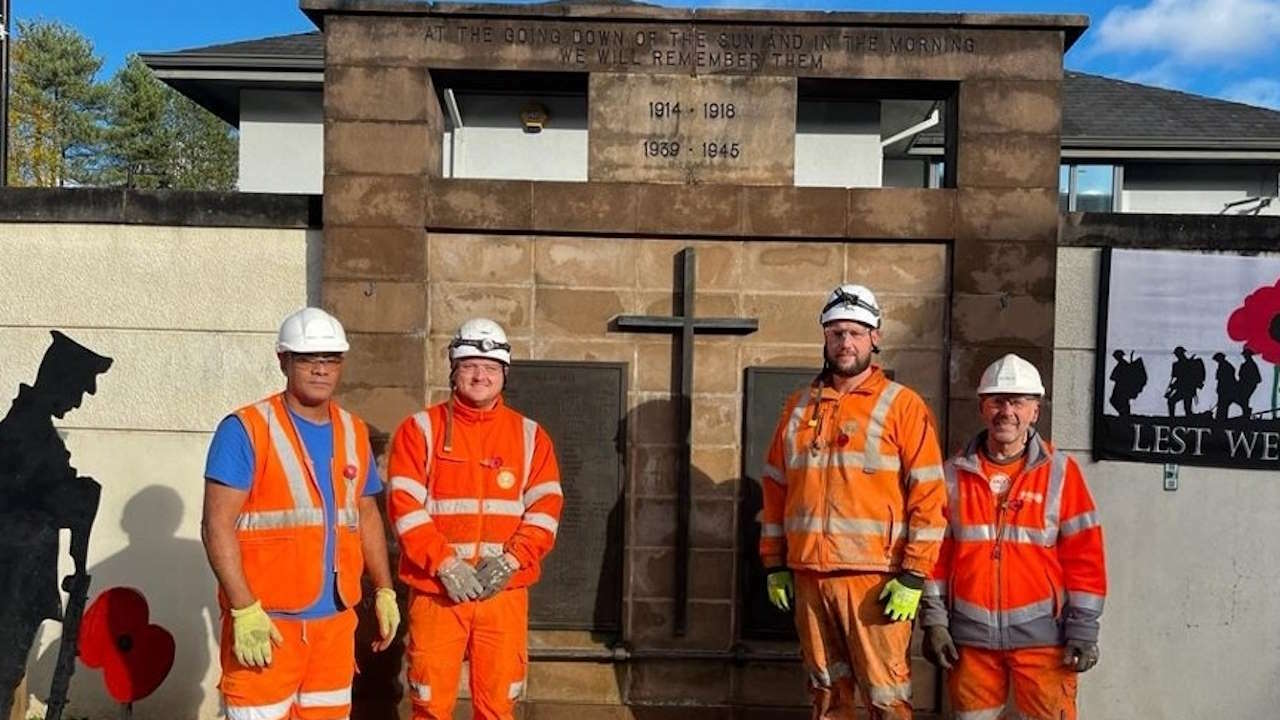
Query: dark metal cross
[684, 324]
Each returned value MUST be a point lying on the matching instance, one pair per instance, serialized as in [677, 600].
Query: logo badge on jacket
[349, 472]
[999, 483]
[506, 479]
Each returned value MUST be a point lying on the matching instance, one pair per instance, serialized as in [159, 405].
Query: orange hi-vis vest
[1025, 571]
[491, 486]
[281, 527]
[853, 481]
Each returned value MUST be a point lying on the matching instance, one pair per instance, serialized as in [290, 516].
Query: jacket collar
[1039, 451]
[465, 413]
[871, 385]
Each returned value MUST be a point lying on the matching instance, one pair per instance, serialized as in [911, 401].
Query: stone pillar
[383, 130]
[1009, 141]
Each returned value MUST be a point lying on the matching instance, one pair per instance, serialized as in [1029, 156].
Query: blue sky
[1220, 48]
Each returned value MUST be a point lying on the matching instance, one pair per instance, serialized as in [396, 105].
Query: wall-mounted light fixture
[533, 116]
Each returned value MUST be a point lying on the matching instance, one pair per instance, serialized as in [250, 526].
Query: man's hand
[495, 572]
[459, 580]
[938, 647]
[1080, 655]
[904, 594]
[781, 586]
[388, 613]
[254, 634]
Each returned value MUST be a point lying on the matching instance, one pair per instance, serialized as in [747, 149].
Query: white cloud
[1260, 91]
[1192, 32]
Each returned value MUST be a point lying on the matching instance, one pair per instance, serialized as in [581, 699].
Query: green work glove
[1080, 655]
[253, 632]
[782, 587]
[904, 594]
[388, 613]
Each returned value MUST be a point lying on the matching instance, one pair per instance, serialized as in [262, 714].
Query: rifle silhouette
[77, 587]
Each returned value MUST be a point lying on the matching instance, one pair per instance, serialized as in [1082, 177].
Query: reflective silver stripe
[803, 523]
[857, 526]
[530, 436]
[287, 456]
[935, 588]
[542, 520]
[413, 488]
[768, 530]
[1080, 522]
[953, 491]
[1027, 613]
[325, 698]
[274, 711]
[770, 472]
[467, 551]
[1053, 495]
[423, 421]
[846, 458]
[1013, 616]
[349, 446]
[926, 534]
[1012, 533]
[926, 474]
[420, 691]
[541, 490]
[875, 427]
[277, 519]
[1085, 600]
[409, 521]
[794, 454]
[513, 692]
[349, 517]
[454, 506]
[512, 508]
[985, 714]
[890, 694]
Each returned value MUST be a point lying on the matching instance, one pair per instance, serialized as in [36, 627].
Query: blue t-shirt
[230, 463]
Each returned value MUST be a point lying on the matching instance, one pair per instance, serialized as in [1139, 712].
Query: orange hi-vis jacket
[1025, 572]
[853, 481]
[496, 489]
[281, 527]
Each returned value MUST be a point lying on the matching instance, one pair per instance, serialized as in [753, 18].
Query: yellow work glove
[782, 588]
[254, 633]
[904, 594]
[388, 612]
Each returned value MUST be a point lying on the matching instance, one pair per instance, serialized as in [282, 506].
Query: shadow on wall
[172, 573]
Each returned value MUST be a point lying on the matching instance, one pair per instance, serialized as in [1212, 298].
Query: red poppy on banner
[1256, 323]
[117, 637]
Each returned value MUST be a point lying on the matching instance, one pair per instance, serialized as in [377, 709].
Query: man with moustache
[475, 499]
[853, 516]
[1018, 590]
[291, 521]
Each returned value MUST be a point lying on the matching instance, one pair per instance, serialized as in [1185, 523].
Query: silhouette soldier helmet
[67, 371]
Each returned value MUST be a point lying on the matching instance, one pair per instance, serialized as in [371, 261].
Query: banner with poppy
[1188, 362]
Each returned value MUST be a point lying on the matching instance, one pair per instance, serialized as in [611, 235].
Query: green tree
[156, 138]
[55, 106]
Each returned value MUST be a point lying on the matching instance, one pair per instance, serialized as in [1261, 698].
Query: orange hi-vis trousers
[491, 633]
[849, 644]
[309, 677]
[1043, 688]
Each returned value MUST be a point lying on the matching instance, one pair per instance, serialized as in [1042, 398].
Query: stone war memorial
[663, 309]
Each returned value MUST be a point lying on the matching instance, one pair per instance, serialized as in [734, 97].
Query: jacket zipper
[995, 555]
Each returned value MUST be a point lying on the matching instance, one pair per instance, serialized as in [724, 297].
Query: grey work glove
[494, 572]
[938, 647]
[459, 580]
[1080, 655]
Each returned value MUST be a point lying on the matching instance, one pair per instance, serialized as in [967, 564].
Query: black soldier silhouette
[1247, 381]
[1186, 377]
[1226, 388]
[1129, 377]
[40, 493]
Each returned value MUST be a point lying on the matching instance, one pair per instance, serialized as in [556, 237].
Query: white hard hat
[311, 330]
[851, 302]
[1011, 375]
[480, 337]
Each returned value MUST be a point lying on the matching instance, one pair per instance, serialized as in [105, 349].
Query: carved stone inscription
[603, 46]
[682, 129]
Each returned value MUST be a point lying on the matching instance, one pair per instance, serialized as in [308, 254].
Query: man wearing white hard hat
[475, 498]
[1018, 590]
[853, 516]
[291, 522]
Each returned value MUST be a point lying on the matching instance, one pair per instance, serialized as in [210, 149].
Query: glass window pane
[1064, 188]
[1094, 188]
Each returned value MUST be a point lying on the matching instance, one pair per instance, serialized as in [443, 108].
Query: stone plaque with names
[581, 405]
[684, 129]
